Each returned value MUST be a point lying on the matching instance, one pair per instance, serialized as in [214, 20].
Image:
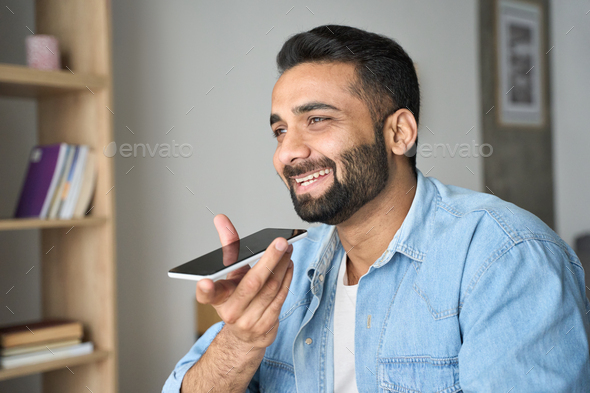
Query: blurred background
[201, 73]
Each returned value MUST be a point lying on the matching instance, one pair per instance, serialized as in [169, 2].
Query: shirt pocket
[276, 376]
[419, 374]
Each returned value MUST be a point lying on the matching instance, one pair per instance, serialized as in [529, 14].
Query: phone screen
[235, 252]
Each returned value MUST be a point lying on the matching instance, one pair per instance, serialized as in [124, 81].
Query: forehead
[327, 82]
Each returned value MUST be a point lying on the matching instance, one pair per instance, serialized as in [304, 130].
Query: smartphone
[218, 263]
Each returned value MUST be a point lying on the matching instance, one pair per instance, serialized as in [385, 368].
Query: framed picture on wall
[521, 64]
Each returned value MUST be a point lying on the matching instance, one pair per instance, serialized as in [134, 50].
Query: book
[40, 331]
[55, 202]
[65, 194]
[43, 174]
[67, 210]
[37, 347]
[88, 185]
[47, 355]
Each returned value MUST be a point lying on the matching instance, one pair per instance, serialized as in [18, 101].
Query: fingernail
[290, 248]
[205, 290]
[281, 245]
[291, 263]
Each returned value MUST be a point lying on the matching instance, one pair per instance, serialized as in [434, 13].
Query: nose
[293, 147]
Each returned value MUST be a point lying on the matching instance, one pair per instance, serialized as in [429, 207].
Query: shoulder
[472, 231]
[489, 219]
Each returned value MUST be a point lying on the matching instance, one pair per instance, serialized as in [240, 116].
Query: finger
[236, 275]
[225, 229]
[228, 236]
[255, 279]
[214, 293]
[270, 290]
[218, 291]
[272, 312]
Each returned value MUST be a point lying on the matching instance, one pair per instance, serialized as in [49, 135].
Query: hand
[249, 301]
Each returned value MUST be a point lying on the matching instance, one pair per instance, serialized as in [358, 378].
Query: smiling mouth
[312, 178]
[311, 181]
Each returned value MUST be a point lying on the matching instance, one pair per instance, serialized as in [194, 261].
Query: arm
[226, 366]
[186, 364]
[249, 301]
[524, 323]
[174, 381]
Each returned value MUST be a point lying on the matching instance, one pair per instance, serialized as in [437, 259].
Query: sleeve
[524, 323]
[174, 381]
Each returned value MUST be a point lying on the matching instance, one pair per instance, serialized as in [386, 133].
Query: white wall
[571, 130]
[167, 55]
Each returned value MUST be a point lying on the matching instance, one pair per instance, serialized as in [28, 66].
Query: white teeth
[308, 182]
[313, 176]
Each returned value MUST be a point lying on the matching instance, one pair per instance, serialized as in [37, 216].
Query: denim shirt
[472, 294]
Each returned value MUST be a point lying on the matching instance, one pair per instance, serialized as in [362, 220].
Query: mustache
[289, 171]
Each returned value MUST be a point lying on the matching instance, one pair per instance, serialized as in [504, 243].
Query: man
[408, 285]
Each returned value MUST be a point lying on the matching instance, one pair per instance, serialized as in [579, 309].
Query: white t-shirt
[344, 315]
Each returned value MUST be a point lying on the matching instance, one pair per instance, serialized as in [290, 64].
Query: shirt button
[308, 341]
[321, 277]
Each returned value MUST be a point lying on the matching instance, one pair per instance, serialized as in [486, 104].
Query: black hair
[386, 79]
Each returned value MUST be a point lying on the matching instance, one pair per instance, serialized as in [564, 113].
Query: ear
[401, 131]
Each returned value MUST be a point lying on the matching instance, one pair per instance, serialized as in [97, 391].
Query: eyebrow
[310, 106]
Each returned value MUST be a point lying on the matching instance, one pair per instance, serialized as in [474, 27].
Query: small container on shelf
[43, 52]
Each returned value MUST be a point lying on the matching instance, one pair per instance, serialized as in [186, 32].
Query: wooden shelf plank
[22, 81]
[72, 361]
[11, 224]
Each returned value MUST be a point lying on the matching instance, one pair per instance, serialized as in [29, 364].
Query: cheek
[334, 143]
[334, 149]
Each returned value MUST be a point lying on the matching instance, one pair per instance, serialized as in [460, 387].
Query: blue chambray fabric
[473, 294]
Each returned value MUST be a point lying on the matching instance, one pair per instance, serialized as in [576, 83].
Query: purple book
[45, 164]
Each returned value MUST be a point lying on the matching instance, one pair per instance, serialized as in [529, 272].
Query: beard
[365, 175]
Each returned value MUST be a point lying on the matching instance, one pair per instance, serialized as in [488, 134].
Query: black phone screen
[235, 252]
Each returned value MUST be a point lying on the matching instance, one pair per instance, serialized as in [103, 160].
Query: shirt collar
[411, 239]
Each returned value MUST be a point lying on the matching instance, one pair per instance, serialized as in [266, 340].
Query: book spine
[54, 180]
[42, 165]
[68, 186]
[63, 175]
[72, 331]
[42, 356]
[68, 212]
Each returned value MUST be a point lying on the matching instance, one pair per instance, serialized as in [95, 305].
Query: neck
[366, 235]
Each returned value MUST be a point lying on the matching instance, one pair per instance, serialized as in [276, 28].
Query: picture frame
[521, 169]
[521, 65]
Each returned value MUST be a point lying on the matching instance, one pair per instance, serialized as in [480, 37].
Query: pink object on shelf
[43, 52]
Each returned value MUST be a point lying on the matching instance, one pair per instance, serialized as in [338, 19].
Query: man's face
[321, 126]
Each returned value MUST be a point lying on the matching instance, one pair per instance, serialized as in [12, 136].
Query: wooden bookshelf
[74, 105]
[34, 223]
[21, 81]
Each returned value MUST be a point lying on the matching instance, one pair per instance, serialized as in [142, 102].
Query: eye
[314, 118]
[276, 133]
